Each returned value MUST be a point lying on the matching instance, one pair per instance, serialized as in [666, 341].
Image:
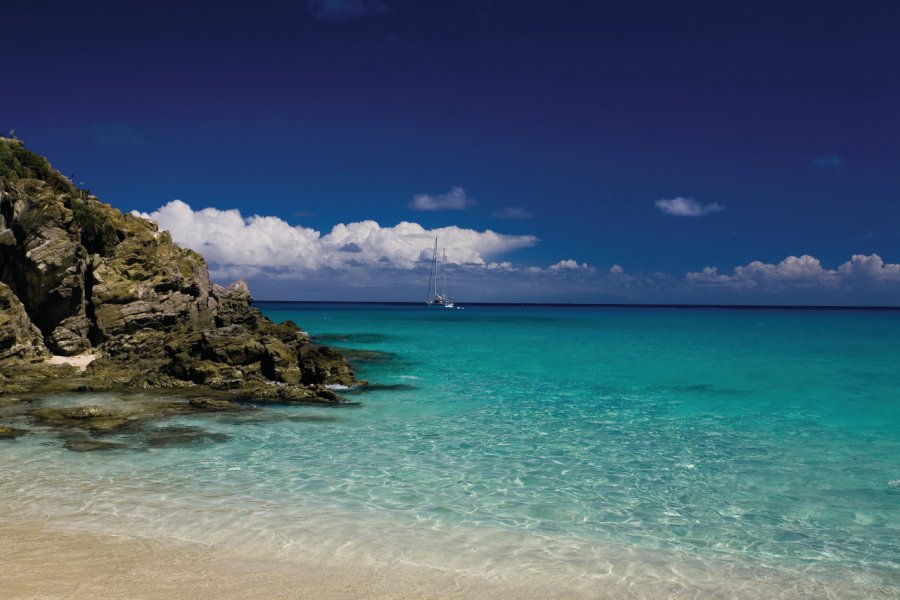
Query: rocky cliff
[77, 276]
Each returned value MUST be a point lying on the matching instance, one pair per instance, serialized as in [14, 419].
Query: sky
[647, 151]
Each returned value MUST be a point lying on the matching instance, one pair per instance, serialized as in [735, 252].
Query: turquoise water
[630, 452]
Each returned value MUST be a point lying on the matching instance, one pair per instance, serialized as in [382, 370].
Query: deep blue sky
[583, 114]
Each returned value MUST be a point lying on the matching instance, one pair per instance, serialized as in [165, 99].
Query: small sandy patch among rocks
[80, 362]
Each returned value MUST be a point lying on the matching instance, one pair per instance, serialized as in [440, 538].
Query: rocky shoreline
[80, 279]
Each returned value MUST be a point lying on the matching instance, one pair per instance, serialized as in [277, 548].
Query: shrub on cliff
[98, 235]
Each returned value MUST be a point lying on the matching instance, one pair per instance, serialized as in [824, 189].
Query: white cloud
[455, 199]
[803, 269]
[617, 277]
[687, 207]
[707, 275]
[268, 244]
[571, 265]
[802, 272]
[512, 212]
[872, 268]
[794, 270]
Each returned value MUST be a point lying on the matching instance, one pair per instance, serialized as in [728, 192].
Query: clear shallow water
[632, 452]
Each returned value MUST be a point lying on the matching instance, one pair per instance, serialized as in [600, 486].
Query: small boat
[433, 299]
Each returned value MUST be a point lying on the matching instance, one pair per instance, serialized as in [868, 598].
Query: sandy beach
[40, 560]
[80, 361]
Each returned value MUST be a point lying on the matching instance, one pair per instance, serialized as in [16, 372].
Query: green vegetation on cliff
[98, 236]
[16, 162]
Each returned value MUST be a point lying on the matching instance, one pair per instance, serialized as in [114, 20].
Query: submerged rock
[91, 445]
[356, 338]
[368, 356]
[381, 387]
[77, 274]
[87, 412]
[215, 404]
[313, 418]
[92, 418]
[168, 437]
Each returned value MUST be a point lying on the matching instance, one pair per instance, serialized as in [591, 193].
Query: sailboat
[433, 299]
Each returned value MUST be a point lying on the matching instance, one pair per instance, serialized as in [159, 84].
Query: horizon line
[606, 305]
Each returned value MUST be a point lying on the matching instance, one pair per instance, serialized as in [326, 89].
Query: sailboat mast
[432, 283]
[444, 274]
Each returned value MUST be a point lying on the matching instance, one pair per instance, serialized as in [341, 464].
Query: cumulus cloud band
[801, 271]
[571, 265]
[225, 237]
[364, 253]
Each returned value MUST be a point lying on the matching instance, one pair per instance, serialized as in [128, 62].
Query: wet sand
[43, 561]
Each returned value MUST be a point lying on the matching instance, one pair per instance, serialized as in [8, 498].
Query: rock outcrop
[77, 275]
[19, 338]
[42, 261]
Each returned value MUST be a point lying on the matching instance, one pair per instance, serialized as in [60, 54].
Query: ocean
[596, 451]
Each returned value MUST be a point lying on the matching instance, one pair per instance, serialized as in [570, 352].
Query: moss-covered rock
[42, 260]
[8, 433]
[19, 338]
[91, 278]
